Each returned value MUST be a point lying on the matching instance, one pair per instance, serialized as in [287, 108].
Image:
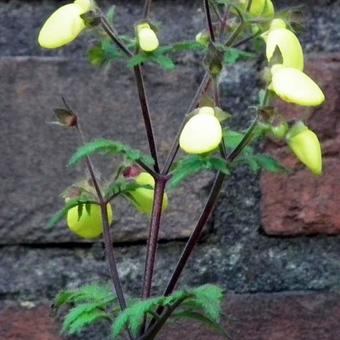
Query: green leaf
[233, 55]
[133, 316]
[93, 293]
[265, 162]
[83, 316]
[164, 61]
[205, 300]
[192, 165]
[120, 187]
[210, 297]
[61, 214]
[196, 316]
[109, 147]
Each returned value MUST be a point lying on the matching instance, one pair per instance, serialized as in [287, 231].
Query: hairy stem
[209, 206]
[106, 231]
[147, 7]
[146, 114]
[141, 90]
[174, 148]
[209, 21]
[153, 235]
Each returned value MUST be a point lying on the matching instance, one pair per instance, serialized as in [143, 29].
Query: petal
[201, 134]
[256, 8]
[289, 46]
[306, 147]
[62, 27]
[85, 5]
[147, 39]
[268, 10]
[293, 86]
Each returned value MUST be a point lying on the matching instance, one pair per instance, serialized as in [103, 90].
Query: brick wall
[272, 241]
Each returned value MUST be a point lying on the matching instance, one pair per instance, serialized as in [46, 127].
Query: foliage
[204, 301]
[90, 304]
[192, 165]
[61, 214]
[109, 147]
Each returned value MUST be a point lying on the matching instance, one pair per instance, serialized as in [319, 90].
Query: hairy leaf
[233, 55]
[109, 147]
[88, 294]
[61, 214]
[120, 187]
[196, 316]
[205, 301]
[192, 165]
[83, 316]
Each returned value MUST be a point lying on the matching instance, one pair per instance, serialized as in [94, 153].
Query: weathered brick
[34, 154]
[301, 203]
[247, 317]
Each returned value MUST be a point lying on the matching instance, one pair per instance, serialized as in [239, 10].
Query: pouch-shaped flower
[147, 38]
[90, 224]
[288, 45]
[202, 133]
[306, 146]
[63, 26]
[294, 86]
[142, 198]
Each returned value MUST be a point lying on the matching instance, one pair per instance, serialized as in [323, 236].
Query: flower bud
[279, 131]
[147, 38]
[142, 198]
[64, 25]
[288, 45]
[90, 224]
[256, 8]
[202, 133]
[203, 39]
[268, 10]
[306, 147]
[294, 86]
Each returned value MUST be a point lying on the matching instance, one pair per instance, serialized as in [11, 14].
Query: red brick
[28, 324]
[271, 317]
[301, 203]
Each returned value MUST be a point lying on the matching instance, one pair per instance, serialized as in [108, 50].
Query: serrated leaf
[133, 316]
[83, 316]
[196, 316]
[209, 297]
[234, 55]
[61, 214]
[192, 165]
[164, 61]
[109, 147]
[266, 162]
[120, 187]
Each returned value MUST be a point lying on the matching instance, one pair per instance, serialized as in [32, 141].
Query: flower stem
[106, 231]
[209, 21]
[174, 148]
[141, 90]
[160, 184]
[147, 7]
[209, 206]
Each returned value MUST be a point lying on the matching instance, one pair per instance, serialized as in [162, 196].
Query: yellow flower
[306, 146]
[288, 45]
[89, 225]
[256, 8]
[268, 10]
[147, 38]
[142, 198]
[64, 25]
[202, 133]
[294, 86]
